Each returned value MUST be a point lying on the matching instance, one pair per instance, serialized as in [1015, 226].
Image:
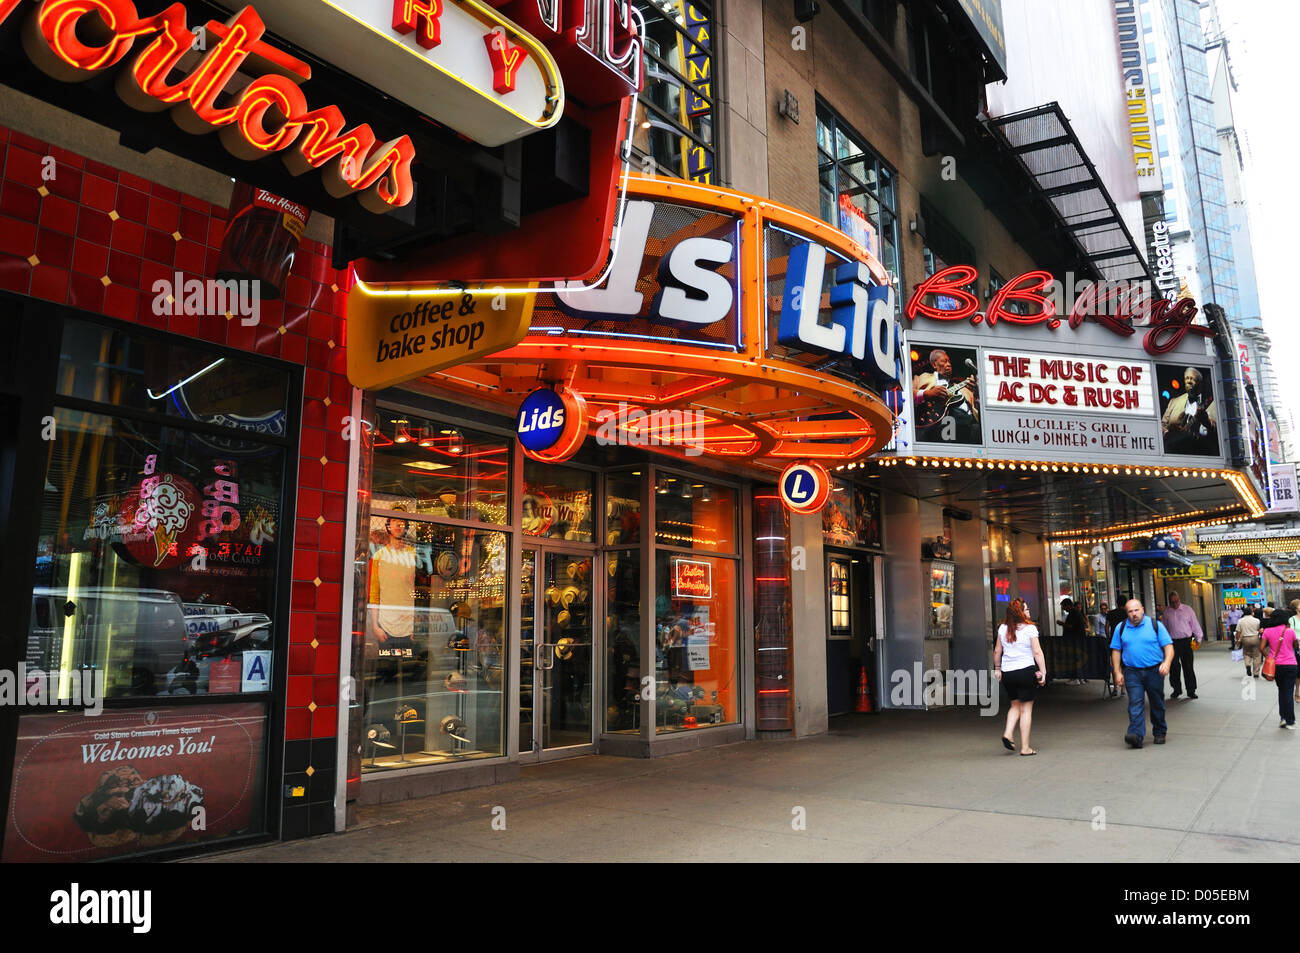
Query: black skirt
[1021, 684]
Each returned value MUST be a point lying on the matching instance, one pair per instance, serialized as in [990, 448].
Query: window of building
[674, 134]
[695, 603]
[857, 189]
[943, 248]
[434, 624]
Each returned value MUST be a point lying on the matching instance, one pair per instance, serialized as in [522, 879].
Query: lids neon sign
[269, 115]
[1114, 308]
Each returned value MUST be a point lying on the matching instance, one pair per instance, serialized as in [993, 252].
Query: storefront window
[435, 635]
[156, 569]
[156, 561]
[773, 628]
[693, 514]
[623, 638]
[557, 502]
[435, 469]
[623, 509]
[695, 641]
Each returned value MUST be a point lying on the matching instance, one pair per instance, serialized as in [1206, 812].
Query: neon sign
[269, 115]
[1169, 321]
[692, 579]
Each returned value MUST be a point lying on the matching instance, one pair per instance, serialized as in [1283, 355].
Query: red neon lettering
[379, 177]
[1171, 325]
[506, 60]
[1012, 291]
[949, 283]
[420, 16]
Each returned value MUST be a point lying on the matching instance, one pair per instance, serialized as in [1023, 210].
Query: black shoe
[1133, 741]
[1174, 695]
[1192, 695]
[1158, 739]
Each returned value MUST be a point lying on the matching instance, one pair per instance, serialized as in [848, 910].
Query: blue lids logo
[541, 420]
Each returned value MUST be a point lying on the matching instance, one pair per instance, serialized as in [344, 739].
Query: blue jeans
[1143, 684]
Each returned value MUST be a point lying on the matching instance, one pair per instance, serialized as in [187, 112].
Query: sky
[1263, 52]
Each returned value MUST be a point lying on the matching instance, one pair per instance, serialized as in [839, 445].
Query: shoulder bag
[1269, 669]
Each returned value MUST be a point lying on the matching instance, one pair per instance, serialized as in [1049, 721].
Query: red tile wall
[96, 238]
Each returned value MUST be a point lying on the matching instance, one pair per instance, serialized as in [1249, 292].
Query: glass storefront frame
[648, 469]
[35, 391]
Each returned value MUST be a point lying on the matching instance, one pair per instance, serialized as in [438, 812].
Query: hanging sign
[396, 338]
[552, 423]
[805, 487]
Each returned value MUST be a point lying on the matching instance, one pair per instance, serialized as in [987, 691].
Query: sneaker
[1289, 727]
[1159, 739]
[1133, 741]
[1192, 695]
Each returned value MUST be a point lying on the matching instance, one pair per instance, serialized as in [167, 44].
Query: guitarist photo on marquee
[947, 402]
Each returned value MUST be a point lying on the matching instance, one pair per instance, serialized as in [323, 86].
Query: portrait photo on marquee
[945, 388]
[1188, 414]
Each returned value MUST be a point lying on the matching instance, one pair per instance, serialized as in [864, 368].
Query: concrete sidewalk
[897, 786]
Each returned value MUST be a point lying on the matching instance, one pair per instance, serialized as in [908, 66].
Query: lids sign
[805, 487]
[552, 424]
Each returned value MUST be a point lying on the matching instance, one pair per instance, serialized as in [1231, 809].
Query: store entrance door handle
[545, 660]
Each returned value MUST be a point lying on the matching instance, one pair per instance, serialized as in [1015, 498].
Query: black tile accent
[320, 789]
[321, 818]
[296, 823]
[297, 755]
[324, 753]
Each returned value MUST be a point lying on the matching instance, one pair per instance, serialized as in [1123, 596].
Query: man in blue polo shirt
[1144, 647]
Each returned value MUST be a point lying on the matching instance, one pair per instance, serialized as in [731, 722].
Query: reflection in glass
[623, 639]
[693, 514]
[695, 641]
[434, 643]
[557, 502]
[623, 509]
[155, 564]
[565, 665]
[438, 470]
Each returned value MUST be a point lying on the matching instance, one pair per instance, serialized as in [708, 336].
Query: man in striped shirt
[1183, 627]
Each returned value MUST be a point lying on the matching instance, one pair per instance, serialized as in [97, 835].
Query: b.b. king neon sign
[1114, 308]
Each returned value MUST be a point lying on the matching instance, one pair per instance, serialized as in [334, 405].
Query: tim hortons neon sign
[1114, 308]
[73, 40]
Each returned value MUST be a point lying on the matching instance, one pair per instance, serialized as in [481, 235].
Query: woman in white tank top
[1019, 666]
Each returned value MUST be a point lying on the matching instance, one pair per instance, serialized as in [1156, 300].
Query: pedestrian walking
[1072, 628]
[1278, 642]
[1184, 628]
[1099, 620]
[1019, 666]
[1248, 627]
[1145, 651]
[1234, 616]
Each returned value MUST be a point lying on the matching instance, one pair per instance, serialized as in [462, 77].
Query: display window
[435, 630]
[693, 514]
[437, 470]
[558, 502]
[623, 509]
[156, 564]
[695, 641]
[623, 640]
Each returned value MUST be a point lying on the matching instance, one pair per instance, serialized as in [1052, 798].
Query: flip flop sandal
[1026, 754]
[1007, 743]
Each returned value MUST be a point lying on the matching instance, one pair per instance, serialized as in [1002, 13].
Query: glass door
[556, 651]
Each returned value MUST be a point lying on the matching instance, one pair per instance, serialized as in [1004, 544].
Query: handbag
[1269, 669]
[1238, 655]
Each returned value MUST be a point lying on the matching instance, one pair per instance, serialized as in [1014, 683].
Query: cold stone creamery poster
[123, 782]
